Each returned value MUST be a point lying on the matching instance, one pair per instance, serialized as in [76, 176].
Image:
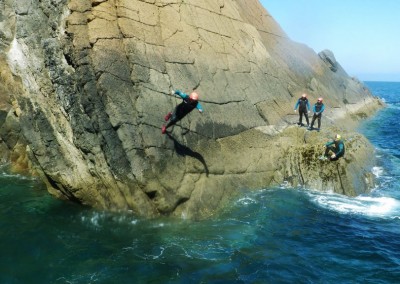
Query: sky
[364, 35]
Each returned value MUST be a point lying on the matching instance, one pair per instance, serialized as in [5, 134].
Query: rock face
[92, 80]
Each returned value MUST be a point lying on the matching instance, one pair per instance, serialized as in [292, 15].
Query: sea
[271, 235]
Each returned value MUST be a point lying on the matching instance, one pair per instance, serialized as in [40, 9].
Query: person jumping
[188, 104]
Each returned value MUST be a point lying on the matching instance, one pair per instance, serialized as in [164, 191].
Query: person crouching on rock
[336, 147]
[318, 109]
[304, 108]
[188, 104]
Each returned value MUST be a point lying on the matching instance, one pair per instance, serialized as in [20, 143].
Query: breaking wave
[382, 207]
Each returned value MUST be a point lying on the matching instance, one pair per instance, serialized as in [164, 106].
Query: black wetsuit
[304, 106]
[185, 107]
[318, 109]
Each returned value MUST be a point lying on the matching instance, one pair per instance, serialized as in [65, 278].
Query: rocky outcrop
[95, 78]
[330, 60]
[350, 175]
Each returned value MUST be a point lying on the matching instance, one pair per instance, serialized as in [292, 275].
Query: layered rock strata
[94, 78]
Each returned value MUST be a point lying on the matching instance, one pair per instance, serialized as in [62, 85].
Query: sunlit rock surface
[89, 84]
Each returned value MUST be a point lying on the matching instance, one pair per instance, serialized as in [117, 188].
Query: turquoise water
[275, 235]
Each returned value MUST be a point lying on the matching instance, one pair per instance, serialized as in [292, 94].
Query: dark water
[276, 235]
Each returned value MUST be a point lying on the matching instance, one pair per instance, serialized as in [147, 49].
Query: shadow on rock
[183, 150]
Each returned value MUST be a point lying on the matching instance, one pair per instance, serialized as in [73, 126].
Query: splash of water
[383, 207]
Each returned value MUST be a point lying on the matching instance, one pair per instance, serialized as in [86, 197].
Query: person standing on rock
[336, 147]
[304, 108]
[318, 109]
[189, 103]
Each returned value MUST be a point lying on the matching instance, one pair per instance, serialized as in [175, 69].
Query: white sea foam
[4, 173]
[246, 201]
[285, 184]
[363, 205]
[99, 219]
[394, 106]
[377, 171]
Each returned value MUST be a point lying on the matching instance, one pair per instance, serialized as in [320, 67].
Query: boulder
[329, 58]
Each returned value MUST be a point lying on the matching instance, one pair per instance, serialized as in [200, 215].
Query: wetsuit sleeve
[322, 108]
[308, 105]
[297, 104]
[314, 108]
[341, 150]
[199, 107]
[182, 95]
[329, 143]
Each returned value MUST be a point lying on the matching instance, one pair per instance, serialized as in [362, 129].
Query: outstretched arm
[340, 151]
[181, 94]
[329, 143]
[297, 104]
[199, 107]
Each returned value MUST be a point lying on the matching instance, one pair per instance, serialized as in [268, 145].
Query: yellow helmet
[337, 137]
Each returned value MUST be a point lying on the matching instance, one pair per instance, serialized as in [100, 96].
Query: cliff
[86, 85]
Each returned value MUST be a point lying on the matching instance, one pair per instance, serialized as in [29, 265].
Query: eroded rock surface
[94, 78]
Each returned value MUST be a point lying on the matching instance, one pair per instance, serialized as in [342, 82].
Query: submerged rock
[95, 78]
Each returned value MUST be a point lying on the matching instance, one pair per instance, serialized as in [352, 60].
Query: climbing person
[336, 147]
[189, 103]
[318, 109]
[304, 108]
